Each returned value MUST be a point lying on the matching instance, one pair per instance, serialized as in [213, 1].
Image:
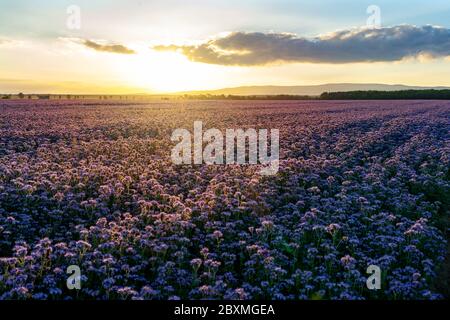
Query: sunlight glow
[164, 72]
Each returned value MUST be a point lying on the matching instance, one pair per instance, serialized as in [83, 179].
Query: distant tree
[21, 95]
[388, 95]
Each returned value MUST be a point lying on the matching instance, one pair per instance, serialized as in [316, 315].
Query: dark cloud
[114, 48]
[357, 45]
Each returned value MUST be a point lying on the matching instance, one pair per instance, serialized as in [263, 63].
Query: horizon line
[209, 91]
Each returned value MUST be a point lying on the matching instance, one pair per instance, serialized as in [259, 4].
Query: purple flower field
[91, 183]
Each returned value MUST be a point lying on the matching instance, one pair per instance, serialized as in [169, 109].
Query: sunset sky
[133, 46]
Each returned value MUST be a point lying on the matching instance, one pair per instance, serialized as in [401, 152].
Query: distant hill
[314, 90]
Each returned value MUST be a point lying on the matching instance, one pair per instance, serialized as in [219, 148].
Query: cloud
[114, 48]
[347, 46]
[11, 43]
[4, 40]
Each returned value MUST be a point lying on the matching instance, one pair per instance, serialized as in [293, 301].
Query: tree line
[430, 94]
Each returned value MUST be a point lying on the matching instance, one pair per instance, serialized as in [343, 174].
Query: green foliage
[387, 95]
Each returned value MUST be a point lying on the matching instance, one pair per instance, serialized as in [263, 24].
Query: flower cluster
[91, 183]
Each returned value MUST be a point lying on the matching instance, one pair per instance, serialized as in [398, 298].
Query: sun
[163, 72]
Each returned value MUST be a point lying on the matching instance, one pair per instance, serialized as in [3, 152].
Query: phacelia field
[92, 184]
